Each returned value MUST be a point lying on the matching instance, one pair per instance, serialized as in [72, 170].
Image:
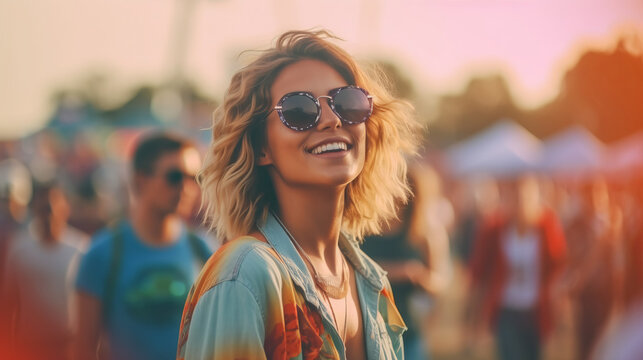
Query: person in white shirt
[39, 276]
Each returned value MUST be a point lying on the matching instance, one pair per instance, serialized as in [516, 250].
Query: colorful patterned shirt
[256, 300]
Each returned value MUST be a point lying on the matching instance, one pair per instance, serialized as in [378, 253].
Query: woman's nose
[327, 119]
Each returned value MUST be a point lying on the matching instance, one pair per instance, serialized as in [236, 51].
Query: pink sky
[50, 44]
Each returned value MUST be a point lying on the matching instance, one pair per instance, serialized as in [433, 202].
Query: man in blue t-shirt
[134, 279]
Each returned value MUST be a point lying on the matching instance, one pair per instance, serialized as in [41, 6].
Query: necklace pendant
[333, 291]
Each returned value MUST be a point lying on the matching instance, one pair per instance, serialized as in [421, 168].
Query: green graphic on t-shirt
[157, 295]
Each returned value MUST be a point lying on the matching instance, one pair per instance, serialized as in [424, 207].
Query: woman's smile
[333, 152]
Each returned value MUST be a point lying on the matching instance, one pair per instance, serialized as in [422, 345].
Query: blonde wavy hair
[238, 193]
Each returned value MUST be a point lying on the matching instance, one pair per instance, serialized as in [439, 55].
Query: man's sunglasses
[301, 110]
[175, 177]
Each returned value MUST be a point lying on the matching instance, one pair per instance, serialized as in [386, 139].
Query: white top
[40, 276]
[523, 260]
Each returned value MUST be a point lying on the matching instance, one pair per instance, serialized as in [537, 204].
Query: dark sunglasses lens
[352, 105]
[299, 112]
[174, 177]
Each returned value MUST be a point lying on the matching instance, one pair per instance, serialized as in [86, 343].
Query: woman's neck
[314, 219]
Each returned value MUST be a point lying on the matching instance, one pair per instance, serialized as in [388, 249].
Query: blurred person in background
[623, 339]
[633, 246]
[515, 260]
[414, 250]
[480, 202]
[134, 279]
[80, 167]
[38, 280]
[15, 194]
[437, 208]
[594, 273]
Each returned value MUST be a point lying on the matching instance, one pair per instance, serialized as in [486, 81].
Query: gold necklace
[326, 289]
[332, 288]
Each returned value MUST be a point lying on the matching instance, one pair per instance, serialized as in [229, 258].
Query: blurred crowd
[100, 244]
[552, 258]
[537, 258]
[536, 266]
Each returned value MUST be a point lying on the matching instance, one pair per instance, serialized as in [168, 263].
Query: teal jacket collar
[280, 241]
[371, 284]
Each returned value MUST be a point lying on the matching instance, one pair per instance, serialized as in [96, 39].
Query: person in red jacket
[516, 257]
[594, 274]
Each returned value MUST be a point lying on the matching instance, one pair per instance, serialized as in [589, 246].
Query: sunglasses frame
[167, 176]
[331, 96]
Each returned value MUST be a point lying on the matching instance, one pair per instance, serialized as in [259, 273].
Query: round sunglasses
[301, 110]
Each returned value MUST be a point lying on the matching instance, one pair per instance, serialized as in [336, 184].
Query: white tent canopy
[504, 149]
[575, 151]
[625, 156]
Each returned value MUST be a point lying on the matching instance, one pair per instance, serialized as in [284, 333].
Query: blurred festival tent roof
[135, 112]
[72, 113]
[574, 152]
[503, 150]
[625, 157]
[183, 110]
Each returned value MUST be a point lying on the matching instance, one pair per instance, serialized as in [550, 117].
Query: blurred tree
[72, 112]
[484, 101]
[401, 85]
[603, 92]
[136, 111]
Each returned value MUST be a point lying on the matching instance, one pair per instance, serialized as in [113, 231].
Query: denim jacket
[256, 300]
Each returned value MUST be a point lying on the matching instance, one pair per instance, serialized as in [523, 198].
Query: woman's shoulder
[246, 259]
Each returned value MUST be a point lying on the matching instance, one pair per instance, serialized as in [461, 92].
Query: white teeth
[329, 147]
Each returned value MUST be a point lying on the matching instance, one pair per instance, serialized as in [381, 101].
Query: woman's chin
[336, 179]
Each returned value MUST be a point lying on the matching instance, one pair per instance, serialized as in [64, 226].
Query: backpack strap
[116, 260]
[114, 270]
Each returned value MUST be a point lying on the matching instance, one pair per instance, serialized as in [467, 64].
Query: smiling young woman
[308, 157]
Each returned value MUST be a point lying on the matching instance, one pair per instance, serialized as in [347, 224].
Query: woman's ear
[259, 144]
